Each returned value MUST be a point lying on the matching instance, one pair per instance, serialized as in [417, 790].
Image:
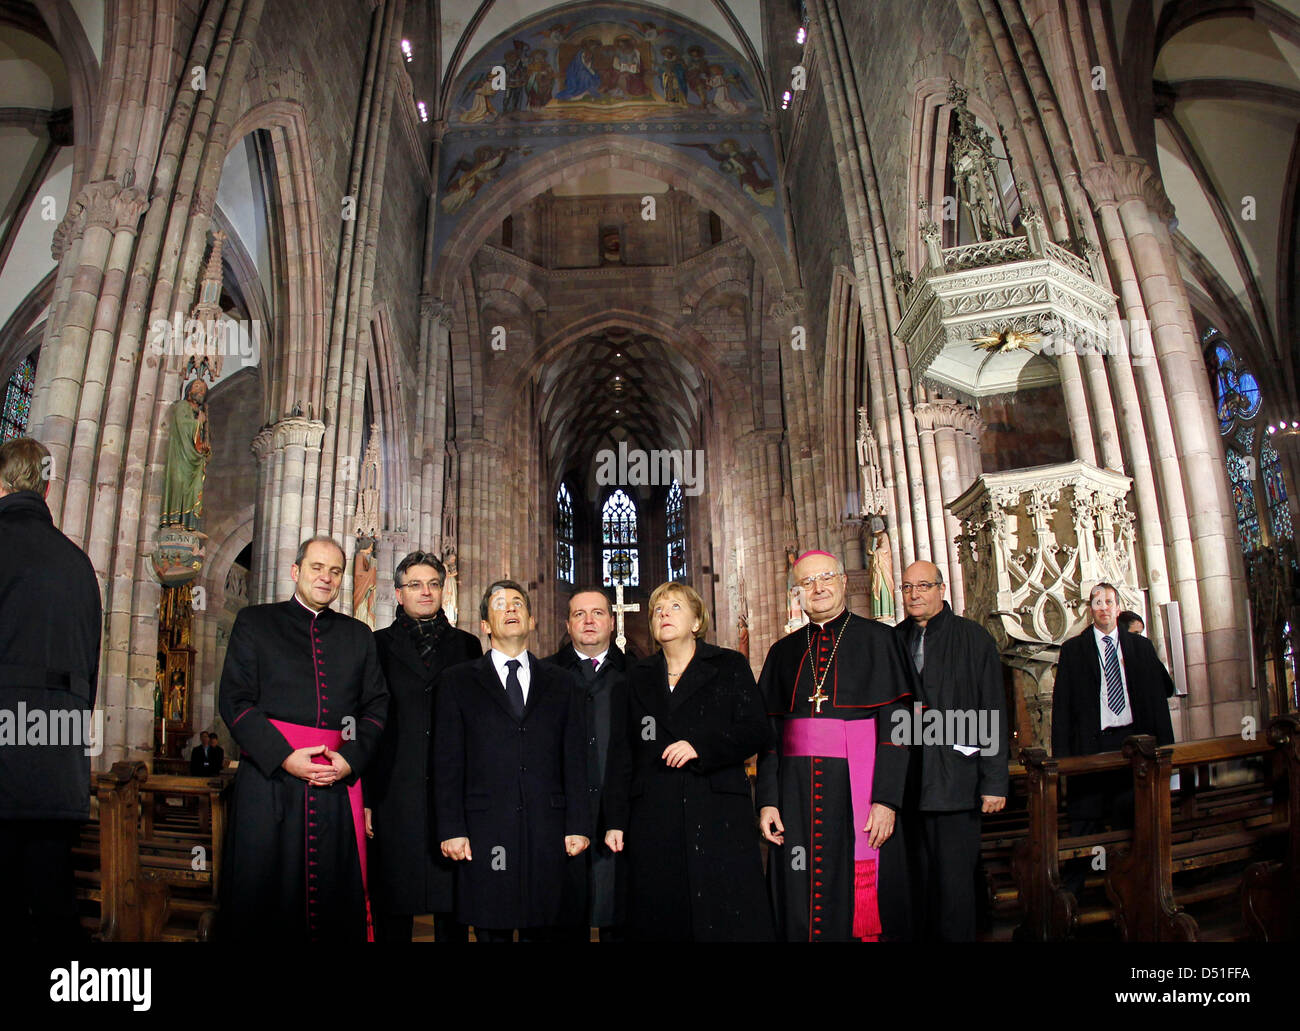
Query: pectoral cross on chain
[619, 609]
[817, 698]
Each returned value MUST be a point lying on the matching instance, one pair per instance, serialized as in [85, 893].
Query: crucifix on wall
[619, 609]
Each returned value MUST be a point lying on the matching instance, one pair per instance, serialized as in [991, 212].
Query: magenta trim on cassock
[299, 736]
[854, 740]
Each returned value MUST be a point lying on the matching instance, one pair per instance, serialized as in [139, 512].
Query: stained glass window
[1279, 512]
[1243, 496]
[564, 535]
[18, 401]
[621, 564]
[675, 531]
[1236, 391]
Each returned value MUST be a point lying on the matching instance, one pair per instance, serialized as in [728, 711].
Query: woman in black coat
[679, 800]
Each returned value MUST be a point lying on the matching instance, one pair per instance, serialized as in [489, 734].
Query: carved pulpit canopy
[1034, 542]
[989, 318]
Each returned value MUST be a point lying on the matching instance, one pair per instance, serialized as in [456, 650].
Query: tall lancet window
[564, 535]
[18, 400]
[1241, 477]
[675, 531]
[620, 556]
[1270, 470]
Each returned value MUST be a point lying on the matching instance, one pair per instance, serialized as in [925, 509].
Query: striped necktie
[1114, 682]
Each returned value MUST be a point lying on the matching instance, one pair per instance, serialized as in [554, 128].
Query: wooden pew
[1051, 912]
[134, 908]
[1141, 882]
[1270, 894]
[147, 874]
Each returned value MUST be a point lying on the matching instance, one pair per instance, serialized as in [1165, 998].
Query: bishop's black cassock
[293, 866]
[819, 880]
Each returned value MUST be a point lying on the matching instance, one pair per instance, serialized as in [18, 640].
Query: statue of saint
[188, 450]
[364, 581]
[873, 484]
[449, 587]
[882, 572]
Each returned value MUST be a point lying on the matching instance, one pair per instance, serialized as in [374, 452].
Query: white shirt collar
[600, 659]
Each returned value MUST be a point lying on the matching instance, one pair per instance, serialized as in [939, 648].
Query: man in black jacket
[510, 777]
[963, 764]
[49, 663]
[408, 873]
[600, 666]
[1109, 685]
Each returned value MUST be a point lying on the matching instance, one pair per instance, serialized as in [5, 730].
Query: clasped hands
[299, 764]
[458, 848]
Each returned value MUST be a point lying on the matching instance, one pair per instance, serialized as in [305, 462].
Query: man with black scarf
[408, 873]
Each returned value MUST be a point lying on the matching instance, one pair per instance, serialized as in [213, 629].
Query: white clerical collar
[313, 612]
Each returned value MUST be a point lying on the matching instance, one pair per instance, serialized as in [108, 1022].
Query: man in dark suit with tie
[510, 777]
[199, 757]
[408, 873]
[600, 666]
[1109, 686]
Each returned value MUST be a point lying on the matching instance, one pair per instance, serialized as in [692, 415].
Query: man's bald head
[923, 591]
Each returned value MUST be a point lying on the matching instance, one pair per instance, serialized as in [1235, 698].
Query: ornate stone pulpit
[1033, 543]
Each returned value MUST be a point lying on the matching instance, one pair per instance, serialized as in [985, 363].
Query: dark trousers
[398, 927]
[948, 856]
[38, 901]
[1098, 802]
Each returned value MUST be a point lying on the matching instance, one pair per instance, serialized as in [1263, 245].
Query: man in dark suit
[963, 775]
[199, 757]
[510, 777]
[1109, 686]
[49, 663]
[408, 873]
[600, 666]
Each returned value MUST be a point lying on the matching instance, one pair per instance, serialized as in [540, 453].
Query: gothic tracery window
[18, 401]
[620, 556]
[1279, 511]
[1241, 479]
[675, 531]
[564, 535]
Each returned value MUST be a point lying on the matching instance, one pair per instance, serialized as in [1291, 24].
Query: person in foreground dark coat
[510, 777]
[50, 619]
[678, 798]
[963, 775]
[600, 666]
[409, 874]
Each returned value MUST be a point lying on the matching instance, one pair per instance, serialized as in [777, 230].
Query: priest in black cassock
[600, 667]
[510, 777]
[304, 697]
[409, 874]
[831, 784]
[963, 769]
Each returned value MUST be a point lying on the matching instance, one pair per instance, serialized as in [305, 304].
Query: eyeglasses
[419, 585]
[922, 587]
[809, 582]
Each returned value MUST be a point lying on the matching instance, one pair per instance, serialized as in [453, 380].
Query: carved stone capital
[436, 309]
[261, 444]
[790, 306]
[1124, 178]
[297, 432]
[942, 413]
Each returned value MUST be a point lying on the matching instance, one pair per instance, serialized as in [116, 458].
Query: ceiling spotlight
[801, 36]
[786, 97]
[406, 49]
[424, 111]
